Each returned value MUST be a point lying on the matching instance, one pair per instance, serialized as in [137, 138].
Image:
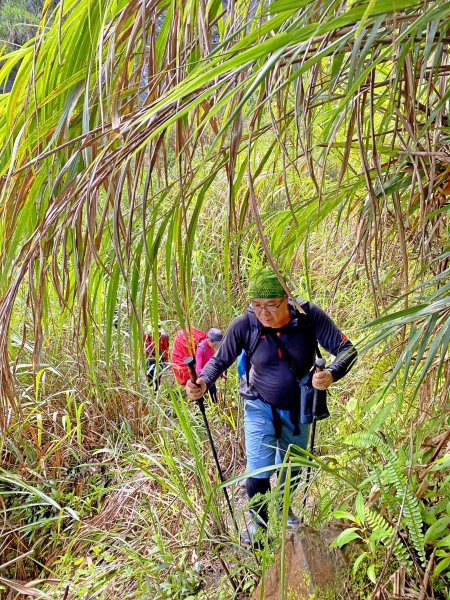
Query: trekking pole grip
[319, 364]
[190, 364]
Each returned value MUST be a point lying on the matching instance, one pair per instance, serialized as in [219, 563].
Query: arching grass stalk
[191, 435]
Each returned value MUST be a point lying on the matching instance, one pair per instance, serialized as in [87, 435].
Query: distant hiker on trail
[156, 362]
[281, 345]
[204, 352]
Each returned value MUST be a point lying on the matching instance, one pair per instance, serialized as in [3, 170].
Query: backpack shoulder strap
[254, 334]
[306, 316]
[284, 353]
[201, 344]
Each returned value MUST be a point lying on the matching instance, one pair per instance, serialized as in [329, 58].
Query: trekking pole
[190, 362]
[319, 366]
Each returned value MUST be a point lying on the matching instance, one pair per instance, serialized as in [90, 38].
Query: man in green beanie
[280, 342]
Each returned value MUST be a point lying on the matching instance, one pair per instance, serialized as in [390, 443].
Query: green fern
[392, 474]
[411, 508]
[386, 535]
[368, 440]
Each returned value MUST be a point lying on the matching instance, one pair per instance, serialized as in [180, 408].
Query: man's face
[272, 312]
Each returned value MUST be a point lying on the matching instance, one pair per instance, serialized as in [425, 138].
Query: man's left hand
[322, 380]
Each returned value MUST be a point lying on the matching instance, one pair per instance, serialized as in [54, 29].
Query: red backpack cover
[184, 345]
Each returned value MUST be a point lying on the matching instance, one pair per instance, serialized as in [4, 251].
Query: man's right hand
[196, 390]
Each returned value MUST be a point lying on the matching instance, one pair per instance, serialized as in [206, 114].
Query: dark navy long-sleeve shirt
[271, 378]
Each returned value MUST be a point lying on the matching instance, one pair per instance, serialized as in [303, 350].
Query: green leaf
[343, 514]
[441, 566]
[287, 5]
[348, 535]
[371, 574]
[438, 528]
[358, 562]
[443, 542]
[359, 505]
[379, 534]
[441, 463]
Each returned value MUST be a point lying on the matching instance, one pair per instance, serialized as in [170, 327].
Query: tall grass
[145, 169]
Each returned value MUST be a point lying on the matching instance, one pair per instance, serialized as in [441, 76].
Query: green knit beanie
[264, 284]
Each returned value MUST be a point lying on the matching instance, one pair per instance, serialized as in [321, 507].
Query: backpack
[163, 346]
[241, 364]
[184, 345]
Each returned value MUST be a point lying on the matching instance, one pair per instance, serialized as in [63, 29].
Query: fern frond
[412, 517]
[392, 474]
[376, 521]
[368, 440]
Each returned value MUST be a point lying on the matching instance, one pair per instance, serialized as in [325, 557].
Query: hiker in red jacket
[156, 362]
[205, 351]
[281, 344]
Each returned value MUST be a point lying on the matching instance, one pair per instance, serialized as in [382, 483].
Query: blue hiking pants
[262, 447]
